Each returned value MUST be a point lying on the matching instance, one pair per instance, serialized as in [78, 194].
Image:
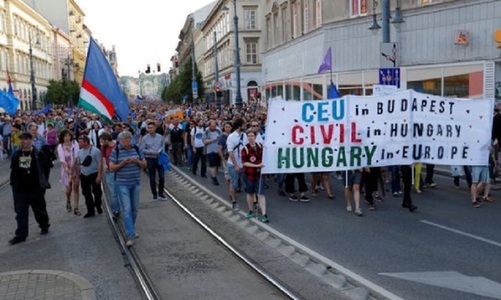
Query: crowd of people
[196, 137]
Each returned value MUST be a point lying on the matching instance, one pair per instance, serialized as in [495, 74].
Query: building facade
[215, 40]
[443, 47]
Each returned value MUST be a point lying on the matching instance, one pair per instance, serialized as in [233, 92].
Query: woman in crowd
[67, 152]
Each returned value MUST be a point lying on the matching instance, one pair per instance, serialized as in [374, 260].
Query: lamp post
[238, 96]
[216, 72]
[385, 19]
[32, 77]
[68, 62]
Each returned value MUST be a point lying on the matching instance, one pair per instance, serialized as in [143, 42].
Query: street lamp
[68, 62]
[238, 97]
[397, 20]
[32, 77]
[385, 18]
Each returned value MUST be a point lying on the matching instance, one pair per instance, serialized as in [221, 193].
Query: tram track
[132, 260]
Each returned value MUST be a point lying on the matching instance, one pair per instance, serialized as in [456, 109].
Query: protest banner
[356, 131]
[173, 113]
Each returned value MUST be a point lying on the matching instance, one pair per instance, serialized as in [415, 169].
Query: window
[425, 2]
[306, 15]
[318, 13]
[285, 32]
[268, 32]
[250, 19]
[296, 19]
[251, 53]
[358, 8]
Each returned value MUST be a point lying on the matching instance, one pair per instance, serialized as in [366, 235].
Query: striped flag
[100, 92]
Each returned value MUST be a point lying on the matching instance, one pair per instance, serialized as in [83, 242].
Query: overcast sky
[144, 32]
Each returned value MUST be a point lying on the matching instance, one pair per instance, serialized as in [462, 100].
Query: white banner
[356, 131]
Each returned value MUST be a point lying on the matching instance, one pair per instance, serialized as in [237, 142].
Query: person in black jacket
[28, 179]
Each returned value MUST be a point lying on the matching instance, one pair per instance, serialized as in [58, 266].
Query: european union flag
[8, 101]
[43, 111]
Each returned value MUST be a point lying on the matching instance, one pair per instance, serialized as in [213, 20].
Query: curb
[351, 284]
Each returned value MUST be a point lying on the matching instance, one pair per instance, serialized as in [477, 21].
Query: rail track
[145, 284]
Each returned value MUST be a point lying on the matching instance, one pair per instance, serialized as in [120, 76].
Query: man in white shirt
[198, 149]
[235, 142]
[211, 138]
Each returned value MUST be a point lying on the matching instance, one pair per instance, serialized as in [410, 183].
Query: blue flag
[137, 100]
[8, 102]
[100, 92]
[333, 92]
[43, 111]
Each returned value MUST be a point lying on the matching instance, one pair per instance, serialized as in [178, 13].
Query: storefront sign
[356, 131]
[462, 37]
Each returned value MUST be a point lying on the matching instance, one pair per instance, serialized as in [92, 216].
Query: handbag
[88, 159]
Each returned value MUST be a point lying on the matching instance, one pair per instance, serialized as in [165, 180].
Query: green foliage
[180, 86]
[63, 92]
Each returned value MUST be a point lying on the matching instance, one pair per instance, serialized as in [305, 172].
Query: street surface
[392, 247]
[446, 249]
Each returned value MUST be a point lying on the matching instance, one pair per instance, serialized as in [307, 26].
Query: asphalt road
[458, 244]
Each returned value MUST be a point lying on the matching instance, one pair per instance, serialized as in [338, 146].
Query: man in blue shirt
[127, 161]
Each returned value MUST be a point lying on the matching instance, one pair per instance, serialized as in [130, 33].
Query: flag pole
[331, 65]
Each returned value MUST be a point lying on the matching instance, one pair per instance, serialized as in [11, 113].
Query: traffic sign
[389, 76]
[194, 89]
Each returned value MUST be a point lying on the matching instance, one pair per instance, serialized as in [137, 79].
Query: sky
[143, 32]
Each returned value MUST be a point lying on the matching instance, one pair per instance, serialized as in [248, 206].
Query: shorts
[214, 159]
[234, 176]
[354, 177]
[225, 169]
[479, 174]
[254, 186]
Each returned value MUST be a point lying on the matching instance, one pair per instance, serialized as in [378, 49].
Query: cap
[70, 120]
[25, 135]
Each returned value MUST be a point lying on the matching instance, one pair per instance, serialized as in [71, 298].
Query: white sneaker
[129, 243]
[349, 208]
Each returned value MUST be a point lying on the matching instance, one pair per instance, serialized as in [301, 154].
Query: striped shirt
[130, 174]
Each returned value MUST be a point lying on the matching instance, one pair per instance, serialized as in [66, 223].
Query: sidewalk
[44, 284]
[41, 284]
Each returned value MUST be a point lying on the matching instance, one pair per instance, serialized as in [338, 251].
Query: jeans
[129, 202]
[395, 179]
[112, 189]
[189, 156]
[153, 168]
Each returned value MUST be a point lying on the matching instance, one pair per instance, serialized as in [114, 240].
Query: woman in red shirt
[252, 158]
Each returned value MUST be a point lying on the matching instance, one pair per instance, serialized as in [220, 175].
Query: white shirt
[197, 138]
[235, 143]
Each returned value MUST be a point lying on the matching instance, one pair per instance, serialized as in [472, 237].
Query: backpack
[257, 144]
[240, 142]
[117, 151]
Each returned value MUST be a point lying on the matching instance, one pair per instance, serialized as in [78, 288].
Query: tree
[181, 85]
[63, 92]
